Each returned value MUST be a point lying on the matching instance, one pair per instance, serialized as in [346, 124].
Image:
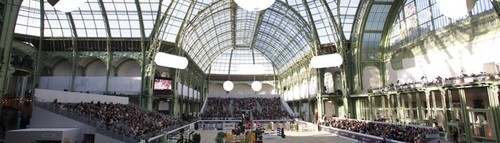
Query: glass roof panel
[375, 23]
[246, 23]
[57, 23]
[174, 18]
[377, 16]
[88, 20]
[28, 19]
[348, 9]
[122, 14]
[326, 32]
[149, 9]
[123, 18]
[240, 59]
[321, 20]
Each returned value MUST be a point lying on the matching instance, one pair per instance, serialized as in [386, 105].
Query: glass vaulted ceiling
[123, 18]
[279, 32]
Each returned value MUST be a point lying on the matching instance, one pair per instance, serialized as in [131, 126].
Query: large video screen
[162, 84]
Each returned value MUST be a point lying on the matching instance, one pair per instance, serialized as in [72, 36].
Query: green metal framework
[216, 36]
[137, 19]
[210, 33]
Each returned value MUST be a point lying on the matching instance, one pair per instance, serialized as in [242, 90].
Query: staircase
[204, 105]
[288, 109]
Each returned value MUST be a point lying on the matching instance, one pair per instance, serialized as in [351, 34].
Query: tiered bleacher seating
[218, 108]
[400, 132]
[126, 120]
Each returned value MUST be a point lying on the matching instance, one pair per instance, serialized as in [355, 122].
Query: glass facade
[240, 60]
[375, 23]
[421, 17]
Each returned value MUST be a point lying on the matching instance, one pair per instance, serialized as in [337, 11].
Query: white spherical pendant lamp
[66, 5]
[228, 85]
[455, 8]
[256, 86]
[254, 5]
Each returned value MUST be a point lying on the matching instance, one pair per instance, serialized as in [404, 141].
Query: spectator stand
[473, 78]
[123, 122]
[432, 137]
[363, 130]
[357, 136]
[228, 108]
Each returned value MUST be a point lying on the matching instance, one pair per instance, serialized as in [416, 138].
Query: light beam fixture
[66, 5]
[169, 60]
[455, 8]
[324, 61]
[256, 85]
[228, 85]
[254, 5]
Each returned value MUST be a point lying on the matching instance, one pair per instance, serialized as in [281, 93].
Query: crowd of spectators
[240, 104]
[400, 132]
[123, 119]
[438, 81]
[233, 108]
[216, 108]
[270, 109]
[465, 78]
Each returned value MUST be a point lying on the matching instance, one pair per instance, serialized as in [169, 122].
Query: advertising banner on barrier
[218, 126]
[208, 126]
[228, 126]
[231, 124]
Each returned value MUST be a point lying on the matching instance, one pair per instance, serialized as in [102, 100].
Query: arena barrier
[226, 125]
[231, 124]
